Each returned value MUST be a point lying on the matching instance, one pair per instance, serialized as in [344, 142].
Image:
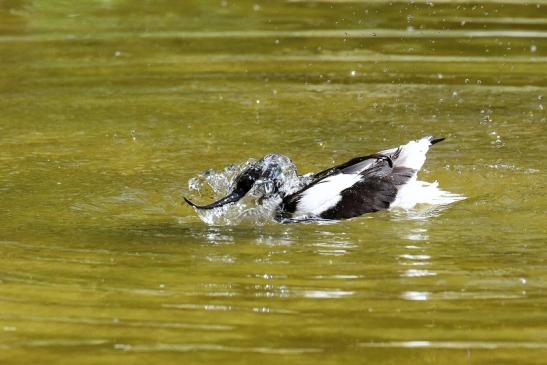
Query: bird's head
[264, 178]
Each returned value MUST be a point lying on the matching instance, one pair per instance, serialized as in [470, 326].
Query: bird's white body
[327, 194]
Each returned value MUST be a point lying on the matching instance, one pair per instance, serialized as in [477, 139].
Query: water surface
[108, 108]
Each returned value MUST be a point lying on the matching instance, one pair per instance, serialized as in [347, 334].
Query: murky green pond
[108, 108]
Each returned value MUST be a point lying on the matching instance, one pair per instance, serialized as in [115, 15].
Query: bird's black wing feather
[374, 192]
[354, 166]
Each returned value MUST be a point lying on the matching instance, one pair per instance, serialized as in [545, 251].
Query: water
[110, 107]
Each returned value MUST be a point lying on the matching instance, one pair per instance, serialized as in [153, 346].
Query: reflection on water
[164, 347]
[415, 295]
[417, 273]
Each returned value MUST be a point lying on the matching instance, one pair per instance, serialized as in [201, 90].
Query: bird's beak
[232, 198]
[244, 182]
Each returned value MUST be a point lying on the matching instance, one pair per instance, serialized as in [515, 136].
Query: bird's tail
[413, 154]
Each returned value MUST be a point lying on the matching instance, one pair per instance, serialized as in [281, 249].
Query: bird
[362, 185]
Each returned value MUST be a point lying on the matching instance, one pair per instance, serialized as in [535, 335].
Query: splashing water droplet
[278, 178]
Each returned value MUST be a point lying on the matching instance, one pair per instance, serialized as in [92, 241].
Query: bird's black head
[242, 184]
[267, 175]
[246, 179]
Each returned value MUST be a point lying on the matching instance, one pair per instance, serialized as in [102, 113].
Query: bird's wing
[325, 194]
[357, 165]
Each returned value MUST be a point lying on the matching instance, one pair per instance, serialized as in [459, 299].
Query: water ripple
[119, 322]
[276, 34]
[175, 347]
[457, 344]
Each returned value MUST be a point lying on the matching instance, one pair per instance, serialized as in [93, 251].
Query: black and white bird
[362, 185]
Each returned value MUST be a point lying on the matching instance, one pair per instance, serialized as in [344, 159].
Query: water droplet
[533, 48]
[353, 72]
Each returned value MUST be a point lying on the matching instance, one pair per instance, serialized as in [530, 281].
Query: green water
[108, 107]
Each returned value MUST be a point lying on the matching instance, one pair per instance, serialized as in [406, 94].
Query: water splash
[279, 179]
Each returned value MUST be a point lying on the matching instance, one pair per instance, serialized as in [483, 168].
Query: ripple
[498, 20]
[66, 343]
[227, 308]
[327, 294]
[415, 257]
[183, 347]
[418, 273]
[457, 344]
[120, 322]
[463, 295]
[338, 276]
[276, 34]
[415, 295]
[390, 2]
